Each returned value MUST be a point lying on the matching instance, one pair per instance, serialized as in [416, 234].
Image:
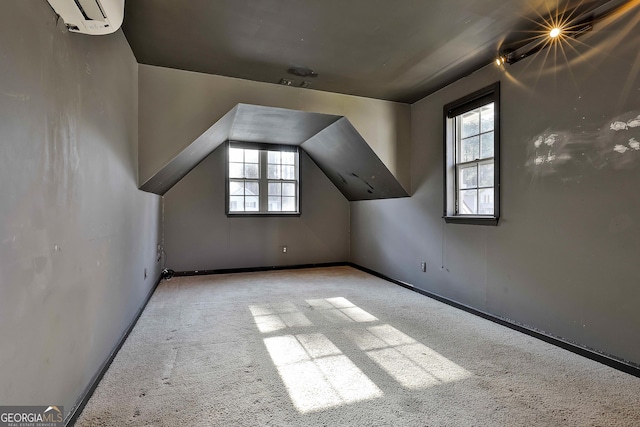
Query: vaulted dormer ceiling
[331, 142]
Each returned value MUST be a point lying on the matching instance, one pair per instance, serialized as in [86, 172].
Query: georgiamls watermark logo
[31, 416]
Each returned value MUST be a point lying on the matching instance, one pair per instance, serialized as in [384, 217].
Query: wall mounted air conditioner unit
[90, 16]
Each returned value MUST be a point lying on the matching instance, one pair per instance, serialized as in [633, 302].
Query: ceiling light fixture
[556, 30]
[551, 36]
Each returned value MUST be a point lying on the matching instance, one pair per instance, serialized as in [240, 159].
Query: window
[472, 167]
[262, 179]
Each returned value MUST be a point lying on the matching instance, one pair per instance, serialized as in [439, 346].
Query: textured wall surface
[75, 233]
[176, 107]
[199, 236]
[564, 257]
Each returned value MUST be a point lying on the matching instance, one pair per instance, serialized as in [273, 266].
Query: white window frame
[453, 163]
[263, 179]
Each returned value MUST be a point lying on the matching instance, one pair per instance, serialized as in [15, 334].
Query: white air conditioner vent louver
[90, 16]
[91, 10]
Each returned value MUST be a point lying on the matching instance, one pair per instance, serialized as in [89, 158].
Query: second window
[472, 152]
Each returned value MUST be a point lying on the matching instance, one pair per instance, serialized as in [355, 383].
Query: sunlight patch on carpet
[410, 363]
[316, 373]
[340, 310]
[275, 317]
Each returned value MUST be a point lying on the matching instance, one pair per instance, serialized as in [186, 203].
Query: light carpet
[339, 347]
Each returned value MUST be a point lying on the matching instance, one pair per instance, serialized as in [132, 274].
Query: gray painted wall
[564, 258]
[75, 233]
[199, 236]
[176, 107]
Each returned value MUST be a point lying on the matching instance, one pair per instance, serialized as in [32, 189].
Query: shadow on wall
[318, 375]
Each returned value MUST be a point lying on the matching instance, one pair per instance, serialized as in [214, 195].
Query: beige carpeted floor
[338, 347]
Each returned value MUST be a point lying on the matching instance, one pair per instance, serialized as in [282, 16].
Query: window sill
[262, 214]
[473, 220]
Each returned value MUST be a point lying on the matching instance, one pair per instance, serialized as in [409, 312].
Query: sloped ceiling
[331, 142]
[352, 166]
[253, 123]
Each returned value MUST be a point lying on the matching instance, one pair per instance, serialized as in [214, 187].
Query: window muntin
[472, 158]
[262, 180]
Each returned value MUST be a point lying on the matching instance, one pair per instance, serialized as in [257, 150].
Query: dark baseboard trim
[255, 269]
[609, 360]
[93, 384]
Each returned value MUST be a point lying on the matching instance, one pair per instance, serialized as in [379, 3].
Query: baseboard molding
[88, 392]
[609, 360]
[255, 269]
[606, 359]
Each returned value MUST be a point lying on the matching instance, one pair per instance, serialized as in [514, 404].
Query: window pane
[236, 203]
[289, 204]
[288, 189]
[486, 175]
[236, 188]
[273, 172]
[236, 155]
[274, 157]
[251, 156]
[486, 114]
[468, 177]
[247, 170]
[251, 170]
[251, 203]
[485, 204]
[288, 172]
[275, 189]
[469, 149]
[288, 158]
[252, 188]
[468, 202]
[275, 204]
[471, 123]
[472, 172]
[236, 170]
[486, 145]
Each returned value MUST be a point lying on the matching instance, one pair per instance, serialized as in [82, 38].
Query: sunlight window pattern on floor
[275, 317]
[340, 310]
[409, 362]
[316, 373]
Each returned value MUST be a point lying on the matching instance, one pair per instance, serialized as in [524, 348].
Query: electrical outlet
[423, 266]
[284, 249]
